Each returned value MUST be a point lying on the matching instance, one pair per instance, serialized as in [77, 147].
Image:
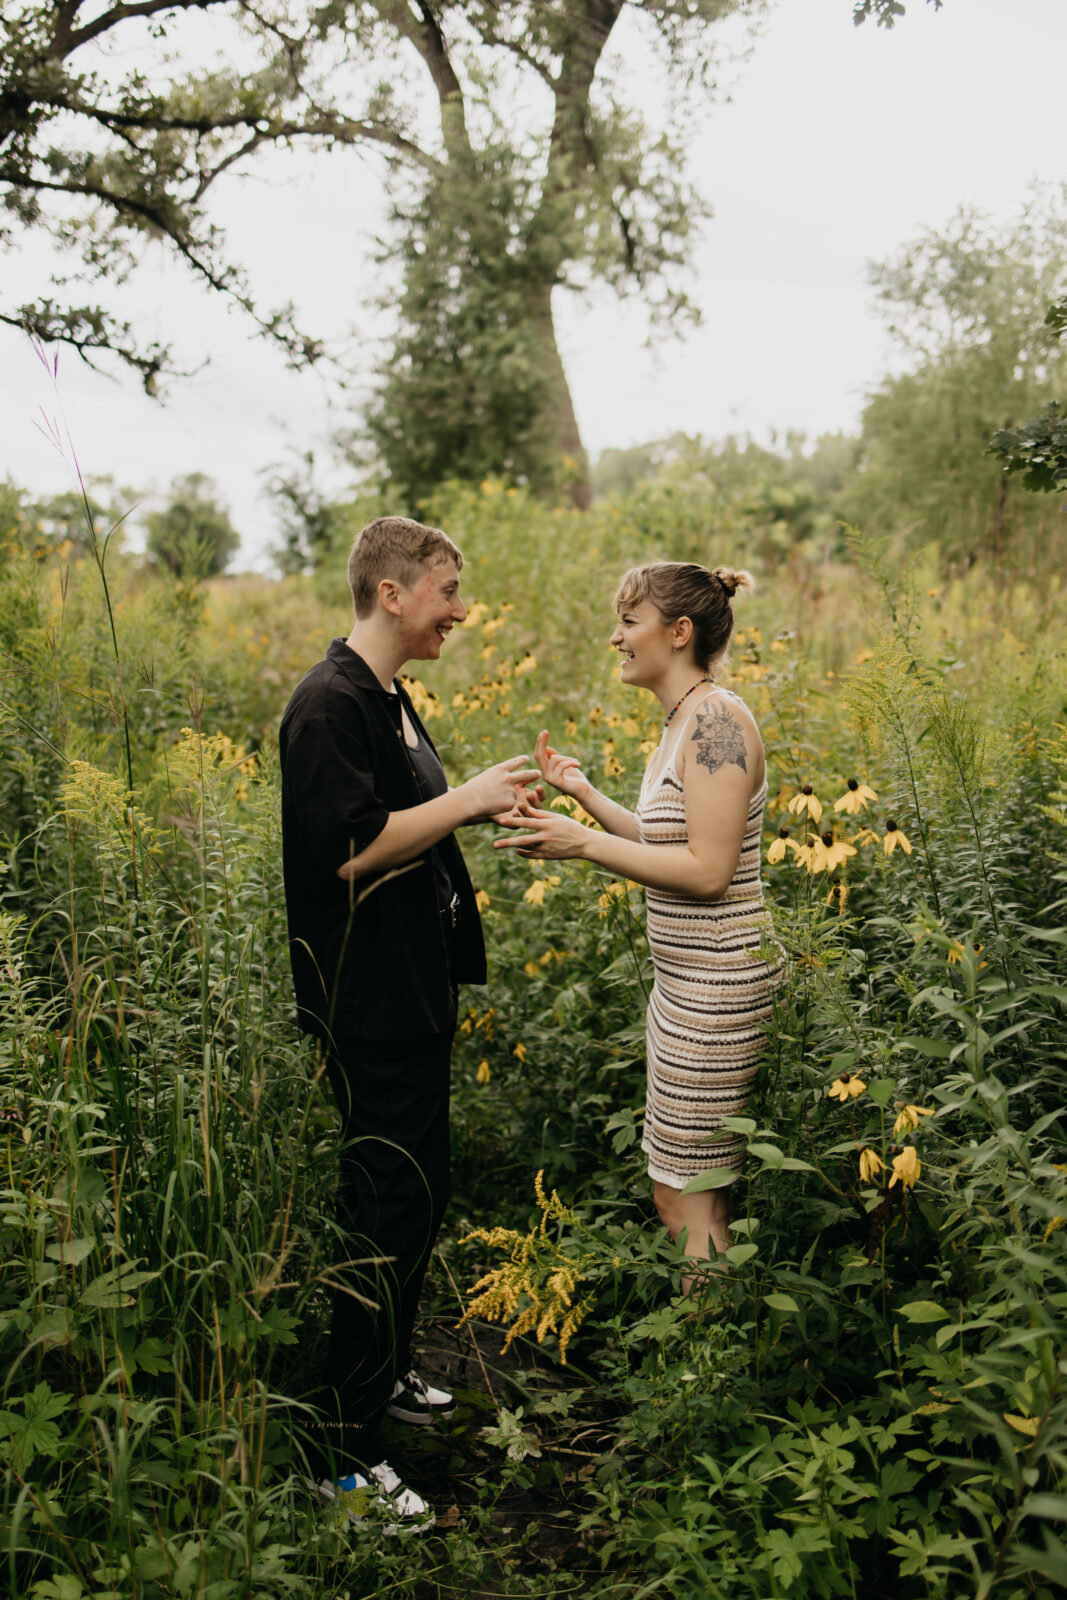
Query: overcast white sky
[838, 145]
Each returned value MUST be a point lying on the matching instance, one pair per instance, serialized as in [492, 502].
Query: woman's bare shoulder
[723, 733]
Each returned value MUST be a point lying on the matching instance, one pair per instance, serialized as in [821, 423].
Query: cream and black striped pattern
[712, 995]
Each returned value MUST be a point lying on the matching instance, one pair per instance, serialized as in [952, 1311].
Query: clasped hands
[545, 835]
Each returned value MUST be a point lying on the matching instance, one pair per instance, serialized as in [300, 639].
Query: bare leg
[706, 1216]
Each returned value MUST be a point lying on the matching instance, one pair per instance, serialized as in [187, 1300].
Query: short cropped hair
[397, 548]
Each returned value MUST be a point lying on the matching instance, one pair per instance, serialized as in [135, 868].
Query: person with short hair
[383, 927]
[694, 842]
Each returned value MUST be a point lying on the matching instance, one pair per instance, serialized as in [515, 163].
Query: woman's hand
[527, 798]
[545, 836]
[562, 772]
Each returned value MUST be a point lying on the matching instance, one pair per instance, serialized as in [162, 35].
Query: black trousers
[395, 1173]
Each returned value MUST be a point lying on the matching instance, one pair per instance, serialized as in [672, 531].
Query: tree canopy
[967, 307]
[192, 536]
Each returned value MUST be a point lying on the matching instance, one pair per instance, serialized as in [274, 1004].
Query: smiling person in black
[383, 926]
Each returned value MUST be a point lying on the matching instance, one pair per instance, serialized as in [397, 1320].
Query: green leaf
[716, 1178]
[923, 1311]
[738, 1254]
[71, 1251]
[927, 1047]
[743, 1125]
[780, 1302]
[770, 1154]
[882, 1090]
[115, 1288]
[794, 1164]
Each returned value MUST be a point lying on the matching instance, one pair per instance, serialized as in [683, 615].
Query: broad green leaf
[71, 1251]
[923, 1311]
[882, 1090]
[717, 1178]
[115, 1288]
[743, 1125]
[1027, 1425]
[770, 1154]
[738, 1254]
[927, 1047]
[780, 1302]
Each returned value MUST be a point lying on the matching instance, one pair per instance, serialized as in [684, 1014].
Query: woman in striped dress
[694, 842]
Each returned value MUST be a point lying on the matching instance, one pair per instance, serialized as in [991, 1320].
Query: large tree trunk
[560, 426]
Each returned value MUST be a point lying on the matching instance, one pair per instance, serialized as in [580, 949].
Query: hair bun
[732, 581]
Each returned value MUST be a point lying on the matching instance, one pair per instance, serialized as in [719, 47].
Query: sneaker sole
[420, 1419]
[400, 1529]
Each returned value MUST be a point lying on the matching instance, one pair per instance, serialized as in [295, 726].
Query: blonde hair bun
[733, 581]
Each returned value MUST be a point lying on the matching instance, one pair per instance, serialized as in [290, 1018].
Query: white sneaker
[379, 1501]
[414, 1400]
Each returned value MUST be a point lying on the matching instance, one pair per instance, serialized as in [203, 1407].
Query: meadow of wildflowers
[872, 1401]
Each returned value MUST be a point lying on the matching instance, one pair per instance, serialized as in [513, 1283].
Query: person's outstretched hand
[545, 836]
[500, 790]
[562, 772]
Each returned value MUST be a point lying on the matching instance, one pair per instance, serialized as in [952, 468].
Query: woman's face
[645, 642]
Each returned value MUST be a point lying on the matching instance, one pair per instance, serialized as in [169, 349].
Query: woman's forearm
[615, 818]
[671, 867]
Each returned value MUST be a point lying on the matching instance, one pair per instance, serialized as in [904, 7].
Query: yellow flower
[780, 846]
[908, 1118]
[816, 856]
[614, 891]
[595, 715]
[871, 1164]
[893, 837]
[527, 664]
[519, 1052]
[906, 1167]
[839, 894]
[481, 900]
[483, 1074]
[535, 894]
[531, 969]
[837, 851]
[612, 766]
[570, 729]
[864, 655]
[846, 1087]
[854, 800]
[806, 801]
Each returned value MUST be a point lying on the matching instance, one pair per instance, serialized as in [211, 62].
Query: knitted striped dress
[712, 995]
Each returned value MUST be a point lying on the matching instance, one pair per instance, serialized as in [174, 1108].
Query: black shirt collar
[354, 667]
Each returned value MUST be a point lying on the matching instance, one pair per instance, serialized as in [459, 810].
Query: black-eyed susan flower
[519, 1052]
[893, 837]
[481, 900]
[837, 852]
[855, 798]
[483, 1074]
[780, 846]
[535, 894]
[907, 1167]
[871, 1164]
[806, 803]
[908, 1118]
[838, 896]
[846, 1087]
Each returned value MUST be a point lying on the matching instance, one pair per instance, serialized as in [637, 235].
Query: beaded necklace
[688, 692]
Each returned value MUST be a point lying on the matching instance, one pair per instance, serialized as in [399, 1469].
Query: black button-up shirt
[372, 957]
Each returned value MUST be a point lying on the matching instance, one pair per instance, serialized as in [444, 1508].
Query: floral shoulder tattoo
[718, 738]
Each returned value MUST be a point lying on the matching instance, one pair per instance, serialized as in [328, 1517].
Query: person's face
[430, 609]
[645, 642]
